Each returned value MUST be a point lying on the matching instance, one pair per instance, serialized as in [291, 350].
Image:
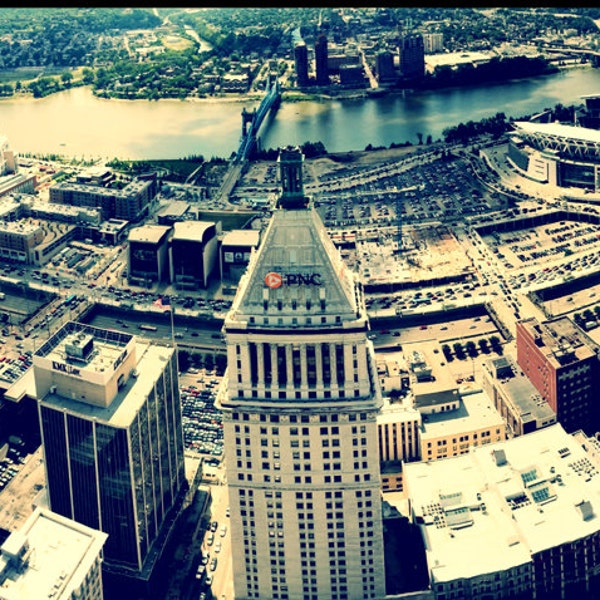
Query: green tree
[67, 78]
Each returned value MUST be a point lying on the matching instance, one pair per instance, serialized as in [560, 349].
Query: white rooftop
[62, 552]
[568, 132]
[241, 237]
[546, 492]
[148, 233]
[191, 230]
[476, 411]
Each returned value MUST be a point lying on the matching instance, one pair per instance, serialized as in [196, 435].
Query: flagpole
[172, 310]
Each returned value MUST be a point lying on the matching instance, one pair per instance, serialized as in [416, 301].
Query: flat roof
[126, 404]
[191, 230]
[241, 237]
[148, 233]
[539, 490]
[50, 536]
[476, 411]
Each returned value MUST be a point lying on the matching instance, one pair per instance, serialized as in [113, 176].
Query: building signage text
[57, 366]
[274, 280]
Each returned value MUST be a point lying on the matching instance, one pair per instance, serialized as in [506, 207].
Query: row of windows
[304, 418]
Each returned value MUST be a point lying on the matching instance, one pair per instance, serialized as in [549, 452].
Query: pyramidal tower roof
[297, 276]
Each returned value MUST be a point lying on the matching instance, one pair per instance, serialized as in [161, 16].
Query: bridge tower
[247, 119]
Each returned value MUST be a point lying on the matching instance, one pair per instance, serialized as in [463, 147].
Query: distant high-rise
[301, 63]
[386, 72]
[412, 56]
[110, 419]
[433, 42]
[299, 412]
[321, 57]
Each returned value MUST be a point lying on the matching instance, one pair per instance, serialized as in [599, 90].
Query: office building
[193, 253]
[321, 60]
[433, 42]
[412, 56]
[237, 247]
[148, 254]
[515, 397]
[300, 402]
[562, 364]
[386, 71]
[52, 558]
[517, 519]
[301, 63]
[8, 159]
[130, 203]
[110, 420]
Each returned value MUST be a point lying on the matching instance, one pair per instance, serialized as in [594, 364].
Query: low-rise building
[515, 519]
[148, 254]
[52, 557]
[515, 397]
[455, 424]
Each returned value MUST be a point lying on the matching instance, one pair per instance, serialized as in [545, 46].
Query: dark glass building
[110, 420]
[412, 56]
[301, 63]
[193, 253]
[321, 56]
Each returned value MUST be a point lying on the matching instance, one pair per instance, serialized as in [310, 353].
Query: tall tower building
[110, 420]
[321, 60]
[299, 412]
[412, 56]
[301, 63]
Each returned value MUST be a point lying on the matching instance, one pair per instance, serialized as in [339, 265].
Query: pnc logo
[273, 280]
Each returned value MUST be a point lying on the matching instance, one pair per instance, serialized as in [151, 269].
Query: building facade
[433, 42]
[110, 420]
[148, 254]
[301, 63]
[412, 56]
[299, 412]
[517, 519]
[193, 253]
[563, 366]
[515, 397]
[321, 60]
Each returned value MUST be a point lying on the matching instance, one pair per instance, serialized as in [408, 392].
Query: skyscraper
[299, 413]
[412, 56]
[110, 420]
[321, 57]
[301, 63]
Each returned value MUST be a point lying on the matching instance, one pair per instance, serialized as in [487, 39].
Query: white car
[218, 547]
[223, 531]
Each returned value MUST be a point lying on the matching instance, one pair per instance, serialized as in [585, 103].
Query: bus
[147, 327]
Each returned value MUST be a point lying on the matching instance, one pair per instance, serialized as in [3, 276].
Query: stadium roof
[568, 132]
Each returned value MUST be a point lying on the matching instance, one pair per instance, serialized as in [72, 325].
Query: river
[76, 124]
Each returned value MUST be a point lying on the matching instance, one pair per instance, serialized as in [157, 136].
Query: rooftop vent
[499, 457]
[586, 510]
